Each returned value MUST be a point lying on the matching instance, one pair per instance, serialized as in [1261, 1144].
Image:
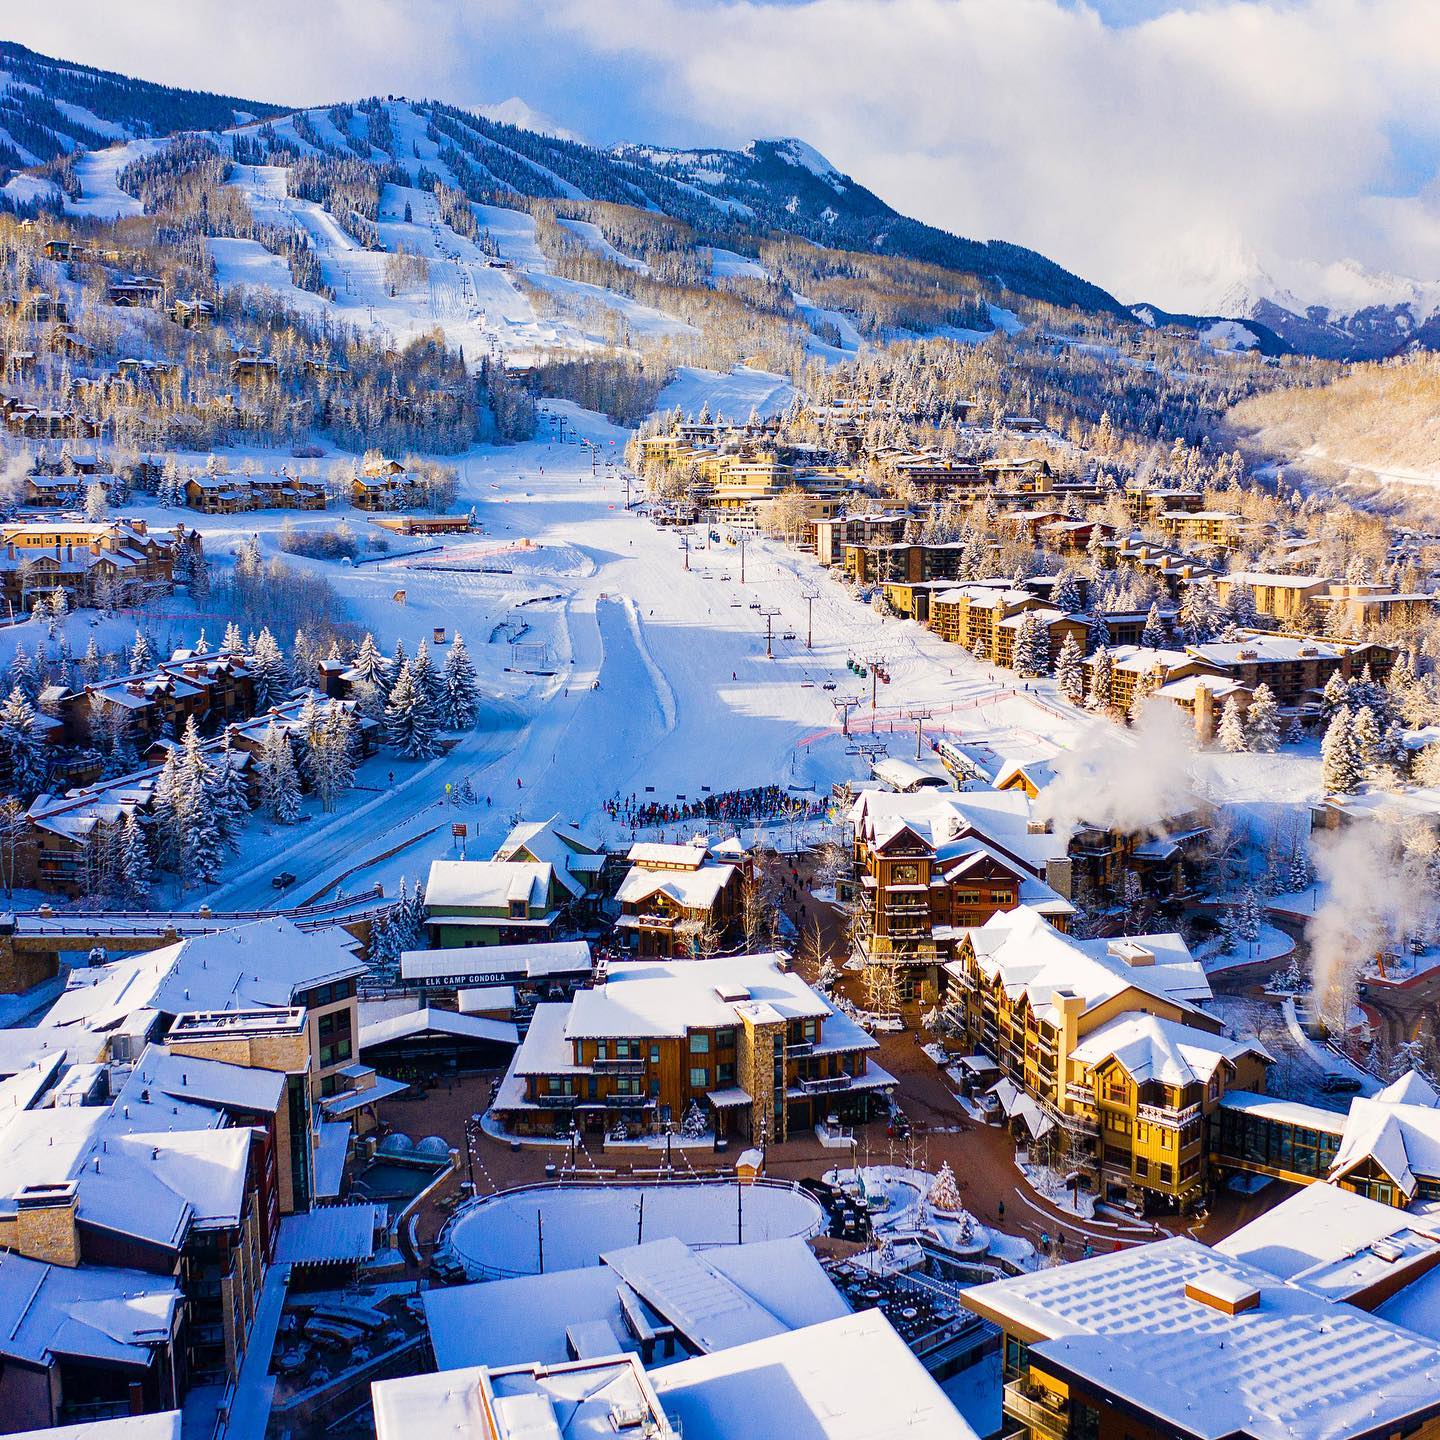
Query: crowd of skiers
[730, 807]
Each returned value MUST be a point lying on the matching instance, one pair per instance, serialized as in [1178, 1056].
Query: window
[602, 1050]
[724, 1075]
[699, 1077]
[1167, 1174]
[654, 1054]
[699, 1043]
[725, 1039]
[519, 909]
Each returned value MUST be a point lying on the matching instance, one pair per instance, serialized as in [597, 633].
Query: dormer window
[519, 910]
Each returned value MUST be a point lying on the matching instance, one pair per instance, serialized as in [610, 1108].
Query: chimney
[45, 1227]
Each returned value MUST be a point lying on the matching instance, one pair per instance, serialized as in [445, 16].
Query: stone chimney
[45, 1225]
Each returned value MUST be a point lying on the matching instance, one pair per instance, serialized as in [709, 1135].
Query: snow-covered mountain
[50, 108]
[1339, 309]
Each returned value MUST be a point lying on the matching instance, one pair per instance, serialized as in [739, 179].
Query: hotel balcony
[1038, 1417]
[827, 1085]
[1158, 1115]
[616, 1066]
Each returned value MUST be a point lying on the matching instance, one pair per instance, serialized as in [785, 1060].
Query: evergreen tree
[1231, 733]
[370, 665]
[1301, 876]
[1032, 647]
[944, 1194]
[330, 759]
[427, 680]
[1250, 916]
[21, 745]
[141, 658]
[1102, 681]
[410, 720]
[1335, 694]
[1153, 634]
[136, 872]
[279, 780]
[1066, 596]
[461, 706]
[231, 796]
[1262, 721]
[21, 674]
[1070, 671]
[304, 662]
[1365, 737]
[1294, 731]
[1099, 637]
[1199, 611]
[1339, 762]
[230, 642]
[166, 813]
[267, 667]
[90, 662]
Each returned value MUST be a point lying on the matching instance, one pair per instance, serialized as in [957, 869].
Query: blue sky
[1165, 148]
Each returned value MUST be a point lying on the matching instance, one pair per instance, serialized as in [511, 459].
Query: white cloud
[1158, 156]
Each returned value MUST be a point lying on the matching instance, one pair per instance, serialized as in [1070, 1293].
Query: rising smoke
[1378, 888]
[1133, 780]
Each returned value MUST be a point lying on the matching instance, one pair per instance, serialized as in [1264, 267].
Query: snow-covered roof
[1032, 957]
[1150, 1048]
[668, 997]
[651, 852]
[328, 1234]
[487, 884]
[1265, 647]
[1334, 1242]
[1131, 1324]
[908, 775]
[574, 1401]
[1411, 1088]
[697, 889]
[92, 1312]
[164, 1425]
[432, 1021]
[851, 1378]
[1403, 1140]
[500, 962]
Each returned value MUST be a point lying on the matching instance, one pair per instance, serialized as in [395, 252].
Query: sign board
[458, 830]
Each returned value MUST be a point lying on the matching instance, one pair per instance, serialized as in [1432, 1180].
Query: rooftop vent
[1388, 1250]
[732, 994]
[1223, 1292]
[1131, 952]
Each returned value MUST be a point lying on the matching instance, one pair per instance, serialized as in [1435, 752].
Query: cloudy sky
[1160, 147]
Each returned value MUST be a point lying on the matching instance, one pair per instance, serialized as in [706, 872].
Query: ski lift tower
[920, 717]
[845, 707]
[769, 615]
[809, 595]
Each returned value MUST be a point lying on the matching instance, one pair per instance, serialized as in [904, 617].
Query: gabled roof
[1403, 1140]
[1149, 1048]
[1033, 958]
[430, 1021]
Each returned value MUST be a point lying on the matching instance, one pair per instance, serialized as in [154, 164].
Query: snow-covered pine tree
[1339, 763]
[142, 658]
[1066, 595]
[1102, 681]
[410, 722]
[1070, 671]
[166, 814]
[1099, 635]
[269, 671]
[370, 665]
[1301, 874]
[1032, 647]
[136, 871]
[427, 680]
[462, 698]
[944, 1192]
[231, 642]
[21, 745]
[331, 761]
[1366, 739]
[90, 662]
[231, 796]
[1335, 694]
[279, 780]
[1230, 735]
[1262, 721]
[304, 662]
[1250, 916]
[1153, 635]
[1294, 731]
[1199, 611]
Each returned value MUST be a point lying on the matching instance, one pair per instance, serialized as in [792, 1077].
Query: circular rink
[503, 1235]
